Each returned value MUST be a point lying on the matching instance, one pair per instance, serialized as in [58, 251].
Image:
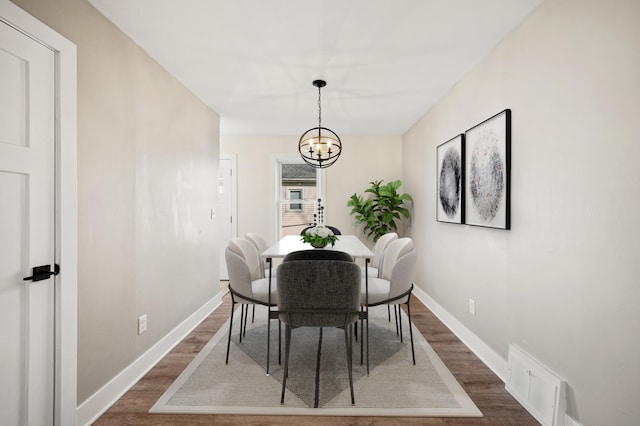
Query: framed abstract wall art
[487, 172]
[450, 189]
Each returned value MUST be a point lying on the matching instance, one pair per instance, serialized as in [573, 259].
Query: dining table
[350, 244]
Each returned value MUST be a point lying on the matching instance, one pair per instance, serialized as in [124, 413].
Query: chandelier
[319, 147]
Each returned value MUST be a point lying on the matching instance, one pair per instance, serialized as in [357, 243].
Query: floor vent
[539, 390]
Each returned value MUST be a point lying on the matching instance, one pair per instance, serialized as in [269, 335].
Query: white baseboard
[487, 355]
[99, 402]
[568, 421]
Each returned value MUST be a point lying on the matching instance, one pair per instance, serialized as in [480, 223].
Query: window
[297, 189]
[295, 194]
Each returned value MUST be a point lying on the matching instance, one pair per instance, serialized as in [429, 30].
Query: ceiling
[386, 62]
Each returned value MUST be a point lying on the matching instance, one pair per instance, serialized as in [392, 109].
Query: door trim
[234, 192]
[65, 389]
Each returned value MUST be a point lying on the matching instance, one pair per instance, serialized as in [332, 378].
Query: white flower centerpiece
[319, 236]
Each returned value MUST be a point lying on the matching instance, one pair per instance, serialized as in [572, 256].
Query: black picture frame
[487, 172]
[450, 181]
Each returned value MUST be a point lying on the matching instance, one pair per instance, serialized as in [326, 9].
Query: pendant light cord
[319, 109]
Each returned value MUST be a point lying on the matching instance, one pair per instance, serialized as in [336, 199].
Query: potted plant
[319, 236]
[378, 212]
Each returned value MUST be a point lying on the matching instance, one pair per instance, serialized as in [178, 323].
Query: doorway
[38, 181]
[226, 206]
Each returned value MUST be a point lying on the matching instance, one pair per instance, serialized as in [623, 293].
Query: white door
[26, 229]
[226, 212]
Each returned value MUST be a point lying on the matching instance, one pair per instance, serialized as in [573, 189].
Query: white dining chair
[247, 285]
[395, 283]
[378, 253]
[261, 245]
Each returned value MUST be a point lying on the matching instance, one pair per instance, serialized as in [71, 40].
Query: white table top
[347, 243]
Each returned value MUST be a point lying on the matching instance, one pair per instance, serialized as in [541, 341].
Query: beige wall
[363, 159]
[564, 282]
[147, 164]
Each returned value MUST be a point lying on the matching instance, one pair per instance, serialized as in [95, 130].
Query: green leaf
[377, 213]
[404, 212]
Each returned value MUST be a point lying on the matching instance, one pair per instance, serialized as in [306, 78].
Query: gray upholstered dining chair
[335, 230]
[247, 284]
[318, 288]
[395, 283]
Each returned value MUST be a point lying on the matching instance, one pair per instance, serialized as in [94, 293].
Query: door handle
[43, 272]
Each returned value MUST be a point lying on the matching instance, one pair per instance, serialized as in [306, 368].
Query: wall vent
[539, 390]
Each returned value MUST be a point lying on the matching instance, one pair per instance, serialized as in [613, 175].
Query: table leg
[269, 315]
[366, 301]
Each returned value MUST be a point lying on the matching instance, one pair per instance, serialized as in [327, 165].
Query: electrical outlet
[142, 324]
[472, 306]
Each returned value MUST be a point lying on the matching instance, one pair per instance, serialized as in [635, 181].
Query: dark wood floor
[485, 388]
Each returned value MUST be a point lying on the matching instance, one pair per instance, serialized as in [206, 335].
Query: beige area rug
[394, 387]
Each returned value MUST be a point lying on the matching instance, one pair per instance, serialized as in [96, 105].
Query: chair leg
[287, 345]
[233, 304]
[364, 334]
[413, 353]
[395, 313]
[355, 329]
[399, 320]
[246, 315]
[361, 336]
[316, 398]
[347, 343]
[367, 337]
[268, 337]
[242, 308]
[389, 312]
[279, 341]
